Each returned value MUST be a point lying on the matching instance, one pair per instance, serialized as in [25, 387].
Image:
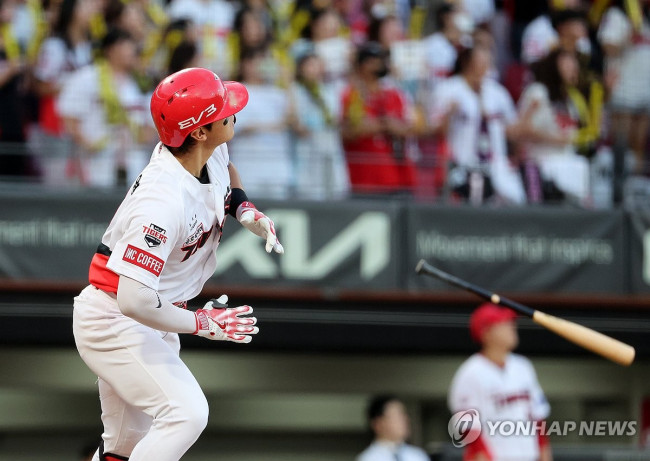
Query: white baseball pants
[152, 406]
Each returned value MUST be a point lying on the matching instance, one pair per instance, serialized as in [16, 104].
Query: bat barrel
[592, 340]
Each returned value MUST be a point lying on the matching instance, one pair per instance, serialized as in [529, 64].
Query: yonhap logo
[464, 427]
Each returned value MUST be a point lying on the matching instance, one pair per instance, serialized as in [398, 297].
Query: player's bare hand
[259, 224]
[220, 323]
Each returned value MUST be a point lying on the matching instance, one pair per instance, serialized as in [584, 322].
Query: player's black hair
[377, 406]
[187, 145]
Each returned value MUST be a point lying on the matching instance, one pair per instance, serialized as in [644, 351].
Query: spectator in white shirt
[390, 426]
[262, 148]
[321, 170]
[552, 129]
[128, 16]
[65, 51]
[324, 35]
[254, 36]
[107, 116]
[627, 53]
[572, 31]
[541, 35]
[407, 63]
[214, 19]
[442, 46]
[478, 117]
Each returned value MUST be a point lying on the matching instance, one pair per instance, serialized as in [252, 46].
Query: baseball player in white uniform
[156, 254]
[502, 386]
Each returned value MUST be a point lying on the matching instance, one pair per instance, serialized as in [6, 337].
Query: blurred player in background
[156, 254]
[390, 426]
[502, 386]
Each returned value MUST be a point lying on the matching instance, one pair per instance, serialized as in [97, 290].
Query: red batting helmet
[192, 98]
[487, 315]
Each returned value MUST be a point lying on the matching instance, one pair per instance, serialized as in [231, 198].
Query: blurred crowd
[480, 101]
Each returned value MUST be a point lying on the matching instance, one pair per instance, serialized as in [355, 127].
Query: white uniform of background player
[503, 390]
[159, 249]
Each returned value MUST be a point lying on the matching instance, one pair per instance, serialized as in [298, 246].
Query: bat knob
[418, 267]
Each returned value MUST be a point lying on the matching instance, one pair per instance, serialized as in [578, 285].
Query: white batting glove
[259, 224]
[225, 324]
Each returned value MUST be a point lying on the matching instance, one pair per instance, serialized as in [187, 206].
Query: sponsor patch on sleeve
[154, 235]
[144, 260]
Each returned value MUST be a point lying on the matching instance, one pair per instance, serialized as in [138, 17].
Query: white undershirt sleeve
[145, 305]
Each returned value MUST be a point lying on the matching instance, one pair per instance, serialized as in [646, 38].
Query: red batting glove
[225, 324]
[259, 224]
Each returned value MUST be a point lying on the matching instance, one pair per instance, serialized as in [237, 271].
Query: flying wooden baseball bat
[603, 345]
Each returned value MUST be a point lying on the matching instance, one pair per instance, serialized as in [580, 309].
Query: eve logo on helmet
[208, 111]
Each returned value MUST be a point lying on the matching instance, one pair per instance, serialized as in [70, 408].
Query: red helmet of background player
[487, 315]
[192, 98]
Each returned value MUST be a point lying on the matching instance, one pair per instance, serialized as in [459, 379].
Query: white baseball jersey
[167, 229]
[164, 235]
[508, 393]
[384, 451]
